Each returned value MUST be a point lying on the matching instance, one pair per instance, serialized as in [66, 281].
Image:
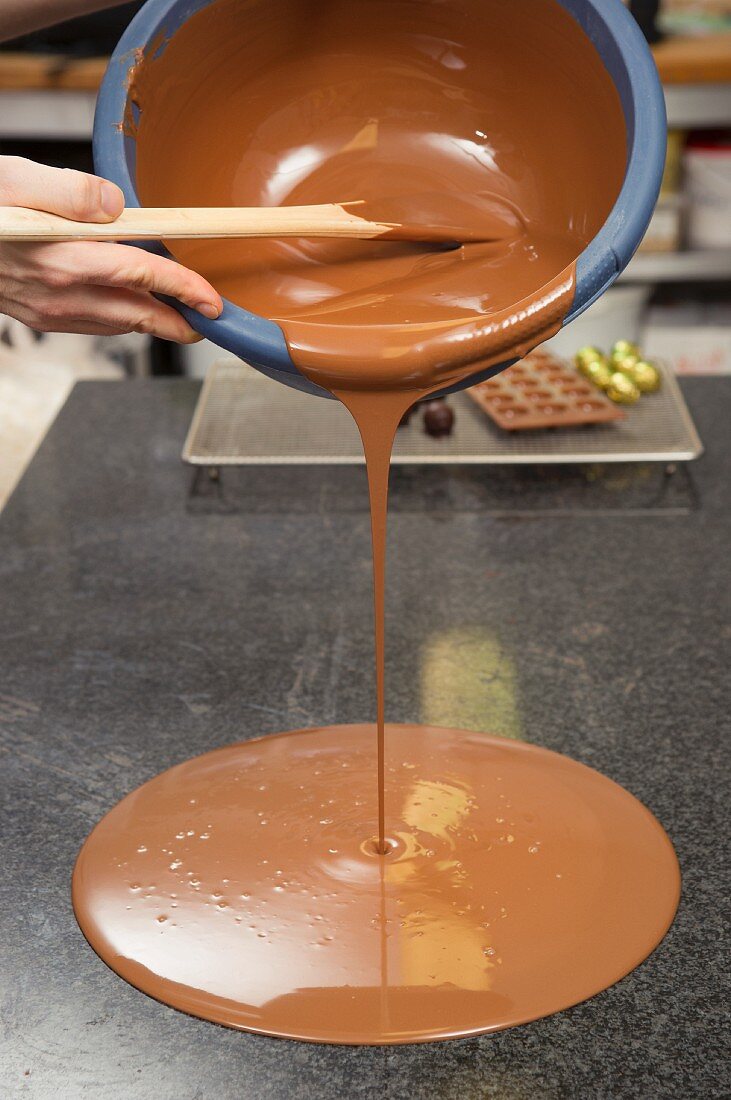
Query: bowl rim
[626, 56]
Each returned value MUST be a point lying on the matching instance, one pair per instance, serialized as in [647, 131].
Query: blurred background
[673, 299]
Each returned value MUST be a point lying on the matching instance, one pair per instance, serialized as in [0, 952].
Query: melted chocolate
[478, 884]
[244, 886]
[468, 111]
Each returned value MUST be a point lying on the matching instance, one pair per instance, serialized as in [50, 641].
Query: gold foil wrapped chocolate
[588, 355]
[645, 376]
[625, 364]
[624, 349]
[600, 373]
[622, 390]
[623, 375]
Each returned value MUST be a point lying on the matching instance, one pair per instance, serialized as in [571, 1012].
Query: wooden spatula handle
[331, 220]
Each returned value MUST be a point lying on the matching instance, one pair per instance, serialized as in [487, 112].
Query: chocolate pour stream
[377, 423]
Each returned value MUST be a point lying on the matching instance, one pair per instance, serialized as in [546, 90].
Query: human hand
[89, 286]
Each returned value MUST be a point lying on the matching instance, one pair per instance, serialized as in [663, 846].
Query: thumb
[63, 191]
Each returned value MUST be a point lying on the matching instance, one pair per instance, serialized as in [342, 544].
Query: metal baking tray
[243, 418]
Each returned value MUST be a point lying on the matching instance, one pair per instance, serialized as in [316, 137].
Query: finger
[125, 267]
[134, 269]
[79, 328]
[33, 320]
[133, 311]
[63, 191]
[79, 309]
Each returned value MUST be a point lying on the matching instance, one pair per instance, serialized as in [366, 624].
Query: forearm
[22, 16]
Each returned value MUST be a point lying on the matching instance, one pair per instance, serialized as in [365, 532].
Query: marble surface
[148, 616]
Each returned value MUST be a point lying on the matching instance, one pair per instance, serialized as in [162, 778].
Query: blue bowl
[259, 341]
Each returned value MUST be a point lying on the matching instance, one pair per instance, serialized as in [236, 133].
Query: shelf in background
[46, 114]
[24, 71]
[696, 75]
[698, 105]
[62, 112]
[45, 96]
[668, 267]
[694, 59]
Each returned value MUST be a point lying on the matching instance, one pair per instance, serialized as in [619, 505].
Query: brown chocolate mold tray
[542, 391]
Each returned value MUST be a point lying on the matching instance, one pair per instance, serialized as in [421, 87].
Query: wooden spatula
[426, 222]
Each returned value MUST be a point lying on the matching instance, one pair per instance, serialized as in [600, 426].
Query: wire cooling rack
[244, 418]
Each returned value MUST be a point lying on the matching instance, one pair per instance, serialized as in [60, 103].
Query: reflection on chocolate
[478, 884]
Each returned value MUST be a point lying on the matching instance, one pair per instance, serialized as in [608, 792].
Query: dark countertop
[142, 625]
